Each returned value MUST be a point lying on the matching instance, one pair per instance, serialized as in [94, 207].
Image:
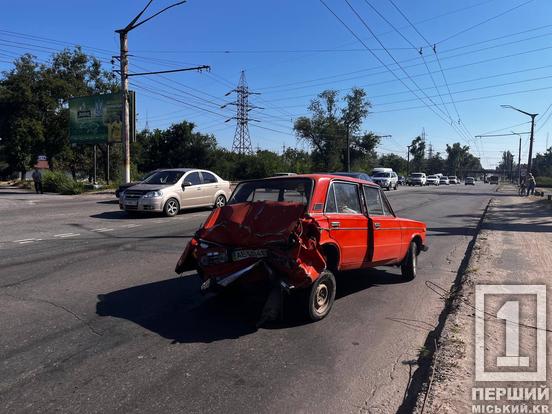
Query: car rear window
[417, 175]
[292, 190]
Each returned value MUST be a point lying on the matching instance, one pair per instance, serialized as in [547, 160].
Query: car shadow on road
[174, 308]
[123, 215]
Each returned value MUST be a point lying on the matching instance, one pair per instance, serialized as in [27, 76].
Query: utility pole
[348, 151]
[408, 159]
[123, 59]
[242, 140]
[529, 161]
[519, 157]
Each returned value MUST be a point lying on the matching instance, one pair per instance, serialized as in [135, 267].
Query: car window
[346, 198]
[385, 203]
[373, 201]
[164, 177]
[208, 178]
[331, 207]
[193, 178]
[292, 190]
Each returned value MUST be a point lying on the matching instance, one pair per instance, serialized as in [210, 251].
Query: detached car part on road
[168, 191]
[296, 232]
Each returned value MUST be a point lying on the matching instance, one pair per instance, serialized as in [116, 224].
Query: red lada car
[296, 232]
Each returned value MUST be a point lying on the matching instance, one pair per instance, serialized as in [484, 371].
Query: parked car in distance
[493, 179]
[453, 179]
[417, 178]
[432, 180]
[124, 186]
[170, 190]
[444, 180]
[386, 179]
[469, 181]
[359, 175]
[290, 237]
[401, 180]
[380, 169]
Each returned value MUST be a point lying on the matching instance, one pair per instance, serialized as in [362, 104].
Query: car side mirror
[186, 184]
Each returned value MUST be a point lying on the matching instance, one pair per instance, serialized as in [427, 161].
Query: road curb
[419, 385]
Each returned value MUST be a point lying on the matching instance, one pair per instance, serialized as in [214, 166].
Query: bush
[544, 181]
[59, 182]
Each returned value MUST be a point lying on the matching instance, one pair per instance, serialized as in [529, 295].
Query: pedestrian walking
[531, 183]
[37, 178]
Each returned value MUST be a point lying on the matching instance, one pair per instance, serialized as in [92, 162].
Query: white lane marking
[23, 240]
[103, 230]
[63, 235]
[129, 226]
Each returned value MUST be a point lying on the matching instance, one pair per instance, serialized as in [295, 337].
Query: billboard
[97, 119]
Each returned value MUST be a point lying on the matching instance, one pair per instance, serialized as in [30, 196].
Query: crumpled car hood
[289, 237]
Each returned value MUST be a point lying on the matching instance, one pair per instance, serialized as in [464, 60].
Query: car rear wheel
[172, 207]
[410, 262]
[322, 296]
[220, 201]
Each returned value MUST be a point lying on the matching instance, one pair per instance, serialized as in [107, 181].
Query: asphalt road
[93, 318]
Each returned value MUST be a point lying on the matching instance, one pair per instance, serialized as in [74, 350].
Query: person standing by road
[37, 178]
[531, 183]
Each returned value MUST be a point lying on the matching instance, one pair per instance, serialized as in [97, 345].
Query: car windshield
[417, 175]
[382, 174]
[432, 176]
[164, 177]
[451, 177]
[292, 190]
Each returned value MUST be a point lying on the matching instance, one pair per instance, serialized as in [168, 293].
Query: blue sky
[292, 50]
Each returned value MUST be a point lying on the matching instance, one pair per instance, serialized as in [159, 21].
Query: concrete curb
[416, 393]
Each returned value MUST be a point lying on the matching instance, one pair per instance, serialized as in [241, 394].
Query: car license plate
[131, 202]
[249, 254]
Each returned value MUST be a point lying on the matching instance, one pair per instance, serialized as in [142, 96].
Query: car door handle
[377, 225]
[335, 224]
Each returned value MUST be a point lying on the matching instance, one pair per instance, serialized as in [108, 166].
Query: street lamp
[532, 132]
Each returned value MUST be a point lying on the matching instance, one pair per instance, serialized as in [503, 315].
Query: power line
[371, 69]
[485, 21]
[392, 57]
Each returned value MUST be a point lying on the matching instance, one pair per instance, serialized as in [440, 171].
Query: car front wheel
[172, 207]
[220, 201]
[410, 262]
[321, 296]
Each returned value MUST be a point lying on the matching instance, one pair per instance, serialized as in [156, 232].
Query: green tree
[33, 106]
[394, 161]
[417, 150]
[326, 129]
[435, 164]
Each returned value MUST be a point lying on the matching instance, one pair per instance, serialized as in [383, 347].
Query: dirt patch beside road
[514, 247]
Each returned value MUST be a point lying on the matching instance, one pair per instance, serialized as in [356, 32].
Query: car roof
[317, 177]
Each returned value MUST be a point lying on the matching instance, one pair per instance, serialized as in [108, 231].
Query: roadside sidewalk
[514, 247]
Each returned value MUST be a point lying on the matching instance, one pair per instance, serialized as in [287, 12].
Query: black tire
[321, 296]
[171, 208]
[220, 201]
[396, 185]
[410, 262]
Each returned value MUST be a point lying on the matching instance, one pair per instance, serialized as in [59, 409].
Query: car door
[191, 194]
[210, 187]
[348, 223]
[385, 229]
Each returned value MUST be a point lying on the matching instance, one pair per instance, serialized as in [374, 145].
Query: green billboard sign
[97, 119]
